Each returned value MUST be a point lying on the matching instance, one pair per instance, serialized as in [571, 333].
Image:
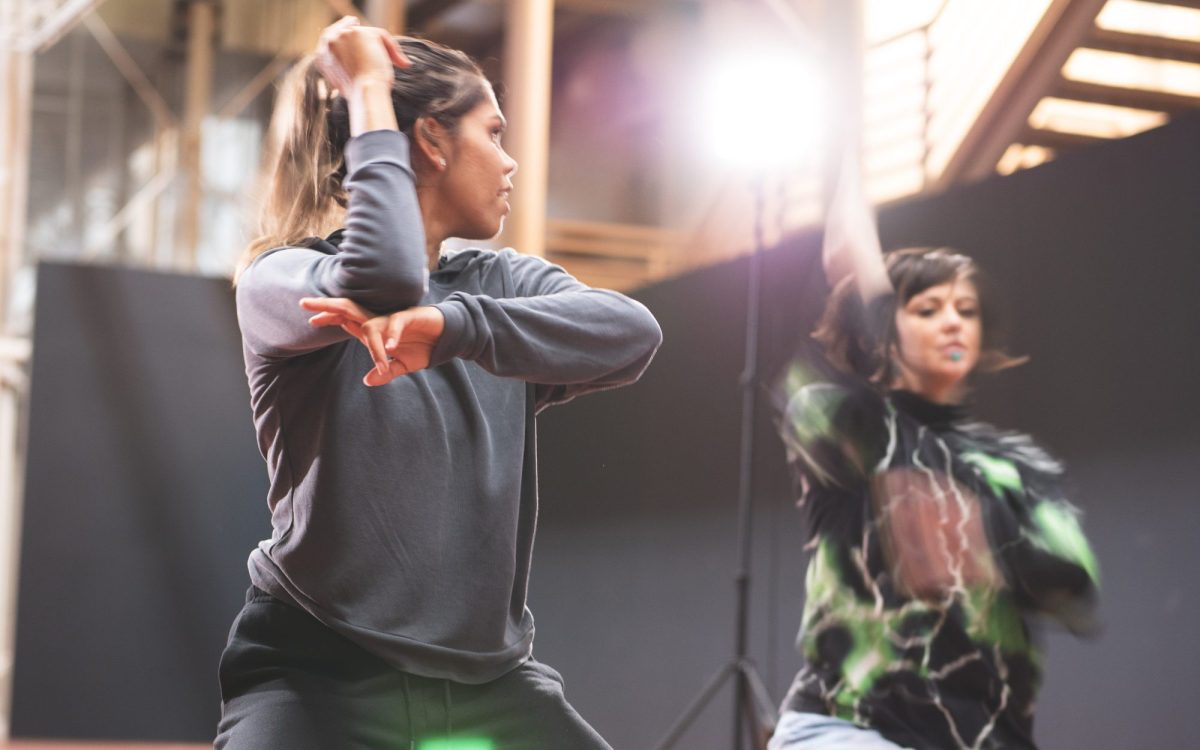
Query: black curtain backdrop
[144, 493]
[145, 490]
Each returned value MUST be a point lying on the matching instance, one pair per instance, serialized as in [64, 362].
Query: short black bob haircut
[859, 339]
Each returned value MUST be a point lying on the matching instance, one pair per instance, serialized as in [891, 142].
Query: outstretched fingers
[326, 319]
[339, 305]
[374, 342]
[395, 329]
[398, 344]
[399, 59]
[337, 311]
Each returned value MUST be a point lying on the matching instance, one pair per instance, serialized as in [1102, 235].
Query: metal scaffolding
[28, 27]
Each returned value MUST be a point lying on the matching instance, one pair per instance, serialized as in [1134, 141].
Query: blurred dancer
[934, 537]
[388, 607]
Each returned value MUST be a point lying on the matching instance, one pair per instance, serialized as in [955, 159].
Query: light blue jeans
[797, 731]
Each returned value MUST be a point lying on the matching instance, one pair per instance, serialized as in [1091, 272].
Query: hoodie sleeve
[555, 332]
[1036, 535]
[832, 431]
[380, 263]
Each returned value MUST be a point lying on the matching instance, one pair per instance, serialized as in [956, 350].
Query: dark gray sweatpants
[289, 682]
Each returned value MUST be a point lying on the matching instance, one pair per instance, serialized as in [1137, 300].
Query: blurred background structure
[131, 131]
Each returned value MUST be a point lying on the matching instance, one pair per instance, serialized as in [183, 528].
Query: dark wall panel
[144, 493]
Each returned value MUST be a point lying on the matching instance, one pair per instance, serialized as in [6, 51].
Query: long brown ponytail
[303, 194]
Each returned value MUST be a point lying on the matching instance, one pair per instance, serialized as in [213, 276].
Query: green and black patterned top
[954, 668]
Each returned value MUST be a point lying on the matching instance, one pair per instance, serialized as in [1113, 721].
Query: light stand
[752, 704]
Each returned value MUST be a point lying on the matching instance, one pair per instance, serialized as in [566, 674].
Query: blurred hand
[850, 221]
[399, 343]
[348, 53]
[851, 245]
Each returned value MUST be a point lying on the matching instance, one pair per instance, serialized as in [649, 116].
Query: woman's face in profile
[478, 176]
[939, 335]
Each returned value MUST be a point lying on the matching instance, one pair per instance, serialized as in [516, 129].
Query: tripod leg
[697, 705]
[758, 709]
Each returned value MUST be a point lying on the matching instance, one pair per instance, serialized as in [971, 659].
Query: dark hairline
[843, 342]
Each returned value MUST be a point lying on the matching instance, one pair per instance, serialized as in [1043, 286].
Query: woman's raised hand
[349, 53]
[399, 343]
[851, 246]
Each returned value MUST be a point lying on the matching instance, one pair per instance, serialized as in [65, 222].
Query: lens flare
[763, 110]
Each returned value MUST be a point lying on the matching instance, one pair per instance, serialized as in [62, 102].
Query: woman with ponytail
[387, 609]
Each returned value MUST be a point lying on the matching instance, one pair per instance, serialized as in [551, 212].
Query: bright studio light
[763, 110]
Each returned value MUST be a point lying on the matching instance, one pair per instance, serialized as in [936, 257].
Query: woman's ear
[430, 139]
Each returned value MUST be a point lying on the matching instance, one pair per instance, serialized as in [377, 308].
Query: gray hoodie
[403, 516]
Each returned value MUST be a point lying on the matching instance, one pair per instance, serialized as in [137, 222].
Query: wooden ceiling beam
[1144, 45]
[1181, 3]
[1057, 139]
[64, 18]
[636, 9]
[1122, 96]
[1033, 74]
